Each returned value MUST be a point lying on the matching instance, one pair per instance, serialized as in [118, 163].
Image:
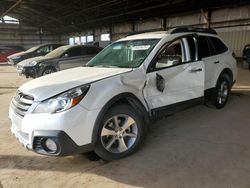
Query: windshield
[57, 52]
[125, 54]
[33, 48]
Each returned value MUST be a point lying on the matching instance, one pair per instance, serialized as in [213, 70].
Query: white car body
[182, 83]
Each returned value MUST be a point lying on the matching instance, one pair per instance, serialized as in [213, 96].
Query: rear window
[218, 46]
[203, 47]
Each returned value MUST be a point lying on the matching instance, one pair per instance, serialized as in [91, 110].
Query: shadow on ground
[199, 146]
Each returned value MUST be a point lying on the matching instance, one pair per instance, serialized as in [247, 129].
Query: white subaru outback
[107, 105]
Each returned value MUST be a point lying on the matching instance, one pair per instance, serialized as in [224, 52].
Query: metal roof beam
[11, 8]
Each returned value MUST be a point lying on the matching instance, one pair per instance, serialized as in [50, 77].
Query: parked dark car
[6, 51]
[35, 51]
[62, 58]
[246, 55]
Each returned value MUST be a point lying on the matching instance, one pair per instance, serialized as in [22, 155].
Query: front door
[175, 75]
[71, 58]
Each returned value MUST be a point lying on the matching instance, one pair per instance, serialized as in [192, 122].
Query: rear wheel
[222, 91]
[120, 133]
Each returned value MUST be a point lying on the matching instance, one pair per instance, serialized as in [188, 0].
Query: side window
[54, 46]
[171, 55]
[89, 50]
[50, 48]
[73, 52]
[203, 47]
[218, 46]
[44, 49]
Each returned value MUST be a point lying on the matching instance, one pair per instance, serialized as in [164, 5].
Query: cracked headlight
[63, 101]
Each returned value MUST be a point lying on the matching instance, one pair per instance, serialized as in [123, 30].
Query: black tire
[222, 91]
[115, 150]
[48, 70]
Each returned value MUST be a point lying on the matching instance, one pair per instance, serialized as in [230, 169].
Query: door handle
[216, 62]
[196, 70]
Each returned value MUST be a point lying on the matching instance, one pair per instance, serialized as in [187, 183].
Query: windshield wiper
[106, 66]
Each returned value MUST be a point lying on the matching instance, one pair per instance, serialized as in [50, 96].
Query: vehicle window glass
[45, 49]
[74, 52]
[172, 55]
[211, 47]
[55, 46]
[125, 54]
[58, 52]
[203, 48]
[33, 49]
[89, 50]
[217, 45]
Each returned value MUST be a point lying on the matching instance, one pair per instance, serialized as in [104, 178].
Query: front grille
[21, 103]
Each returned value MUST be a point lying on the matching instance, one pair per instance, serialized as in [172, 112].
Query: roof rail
[191, 29]
[141, 32]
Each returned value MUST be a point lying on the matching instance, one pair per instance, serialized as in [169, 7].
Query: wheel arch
[43, 67]
[228, 72]
[123, 98]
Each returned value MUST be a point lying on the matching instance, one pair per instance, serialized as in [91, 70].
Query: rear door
[71, 58]
[209, 49]
[175, 75]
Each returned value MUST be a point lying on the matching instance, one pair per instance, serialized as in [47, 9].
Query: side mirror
[65, 55]
[169, 60]
[160, 82]
[175, 59]
[38, 51]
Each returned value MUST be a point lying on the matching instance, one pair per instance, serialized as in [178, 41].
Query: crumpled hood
[37, 59]
[50, 85]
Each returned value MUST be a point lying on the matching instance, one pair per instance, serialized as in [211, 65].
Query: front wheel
[120, 133]
[48, 70]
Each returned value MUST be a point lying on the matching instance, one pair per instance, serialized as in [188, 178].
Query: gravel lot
[199, 147]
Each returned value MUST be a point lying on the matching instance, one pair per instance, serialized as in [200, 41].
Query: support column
[207, 15]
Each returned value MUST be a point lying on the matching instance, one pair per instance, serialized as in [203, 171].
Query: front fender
[104, 90]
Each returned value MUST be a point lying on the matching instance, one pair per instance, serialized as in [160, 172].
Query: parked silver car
[35, 51]
[62, 58]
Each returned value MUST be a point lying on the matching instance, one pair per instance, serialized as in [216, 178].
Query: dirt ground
[199, 147]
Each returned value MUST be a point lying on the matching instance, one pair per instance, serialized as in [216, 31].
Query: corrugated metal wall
[13, 34]
[232, 24]
[236, 40]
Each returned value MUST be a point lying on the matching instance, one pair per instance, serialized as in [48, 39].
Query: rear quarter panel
[227, 61]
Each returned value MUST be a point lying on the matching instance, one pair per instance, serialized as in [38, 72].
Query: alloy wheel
[119, 133]
[48, 71]
[223, 92]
